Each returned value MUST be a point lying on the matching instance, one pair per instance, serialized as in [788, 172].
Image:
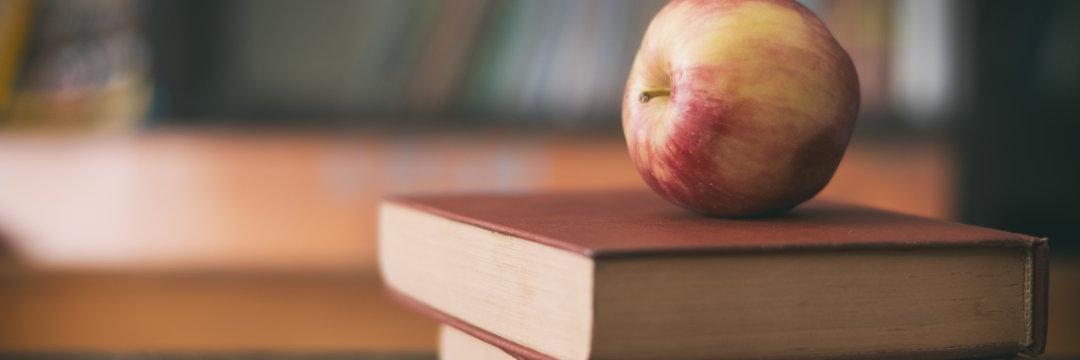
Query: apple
[738, 108]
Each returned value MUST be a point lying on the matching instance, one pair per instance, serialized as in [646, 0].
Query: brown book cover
[637, 224]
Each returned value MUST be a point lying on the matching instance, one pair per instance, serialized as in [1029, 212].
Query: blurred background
[203, 175]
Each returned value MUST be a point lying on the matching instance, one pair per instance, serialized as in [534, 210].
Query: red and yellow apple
[738, 108]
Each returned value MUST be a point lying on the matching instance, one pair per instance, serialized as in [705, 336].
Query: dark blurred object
[1019, 156]
[84, 67]
[7, 250]
[506, 63]
[184, 46]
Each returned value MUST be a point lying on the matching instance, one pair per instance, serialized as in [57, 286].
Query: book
[625, 275]
[455, 344]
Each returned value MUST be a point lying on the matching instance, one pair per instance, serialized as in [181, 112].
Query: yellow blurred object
[14, 23]
[118, 106]
[72, 65]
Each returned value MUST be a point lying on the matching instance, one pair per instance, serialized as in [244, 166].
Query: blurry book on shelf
[436, 80]
[82, 66]
[565, 62]
[625, 275]
[863, 27]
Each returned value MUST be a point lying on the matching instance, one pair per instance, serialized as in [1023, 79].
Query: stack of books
[625, 275]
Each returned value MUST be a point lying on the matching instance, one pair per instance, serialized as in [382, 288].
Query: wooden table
[195, 241]
[95, 311]
[239, 201]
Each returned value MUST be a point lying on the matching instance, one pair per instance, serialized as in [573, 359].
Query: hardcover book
[625, 275]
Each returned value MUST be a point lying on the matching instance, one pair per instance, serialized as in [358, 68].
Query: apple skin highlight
[738, 108]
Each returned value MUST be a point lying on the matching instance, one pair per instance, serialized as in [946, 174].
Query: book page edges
[428, 264]
[1038, 296]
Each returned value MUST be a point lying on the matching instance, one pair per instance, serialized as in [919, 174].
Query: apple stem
[649, 94]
